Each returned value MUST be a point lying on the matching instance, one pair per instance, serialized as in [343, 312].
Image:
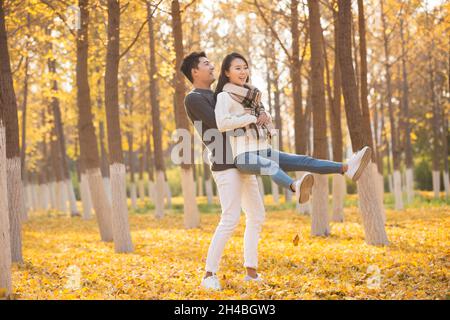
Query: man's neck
[203, 86]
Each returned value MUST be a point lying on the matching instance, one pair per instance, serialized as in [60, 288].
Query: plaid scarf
[250, 98]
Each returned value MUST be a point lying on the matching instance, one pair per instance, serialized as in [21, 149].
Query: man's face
[204, 72]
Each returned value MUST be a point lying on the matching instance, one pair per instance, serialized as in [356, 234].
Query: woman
[238, 109]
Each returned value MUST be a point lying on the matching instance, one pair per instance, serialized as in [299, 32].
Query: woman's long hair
[226, 63]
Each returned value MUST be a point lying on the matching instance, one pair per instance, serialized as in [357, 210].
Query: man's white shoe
[257, 279]
[211, 282]
[358, 162]
[303, 187]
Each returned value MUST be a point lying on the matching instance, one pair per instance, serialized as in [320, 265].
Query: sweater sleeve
[199, 109]
[227, 121]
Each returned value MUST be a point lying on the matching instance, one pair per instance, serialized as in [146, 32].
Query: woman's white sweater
[231, 115]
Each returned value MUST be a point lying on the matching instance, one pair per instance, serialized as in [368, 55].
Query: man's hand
[263, 119]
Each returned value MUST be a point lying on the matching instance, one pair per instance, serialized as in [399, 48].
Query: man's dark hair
[191, 62]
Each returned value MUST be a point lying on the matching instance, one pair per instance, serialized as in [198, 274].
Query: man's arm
[200, 109]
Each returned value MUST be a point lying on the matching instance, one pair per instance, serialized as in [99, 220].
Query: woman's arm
[225, 119]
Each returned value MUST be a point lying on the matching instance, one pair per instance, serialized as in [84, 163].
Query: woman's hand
[263, 119]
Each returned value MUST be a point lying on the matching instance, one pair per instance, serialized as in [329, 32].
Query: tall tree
[406, 118]
[191, 213]
[86, 131]
[120, 225]
[5, 241]
[320, 224]
[339, 186]
[156, 122]
[14, 181]
[394, 135]
[371, 209]
[364, 93]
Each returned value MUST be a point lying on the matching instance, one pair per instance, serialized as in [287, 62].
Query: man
[236, 190]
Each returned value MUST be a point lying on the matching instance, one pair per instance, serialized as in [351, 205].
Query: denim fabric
[276, 163]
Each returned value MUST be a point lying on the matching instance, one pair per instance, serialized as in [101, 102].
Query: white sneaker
[303, 188]
[211, 282]
[358, 162]
[257, 279]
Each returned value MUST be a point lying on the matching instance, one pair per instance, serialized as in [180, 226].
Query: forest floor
[64, 259]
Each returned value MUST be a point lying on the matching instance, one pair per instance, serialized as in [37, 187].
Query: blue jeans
[276, 163]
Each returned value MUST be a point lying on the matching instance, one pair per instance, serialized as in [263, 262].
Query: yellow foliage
[64, 259]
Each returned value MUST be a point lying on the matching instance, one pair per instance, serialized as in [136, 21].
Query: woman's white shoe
[303, 187]
[358, 162]
[211, 282]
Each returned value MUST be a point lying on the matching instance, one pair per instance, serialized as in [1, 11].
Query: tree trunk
[159, 185]
[141, 185]
[339, 185]
[436, 127]
[5, 241]
[130, 138]
[191, 213]
[445, 151]
[371, 209]
[24, 137]
[320, 222]
[120, 225]
[87, 137]
[13, 171]
[394, 136]
[407, 127]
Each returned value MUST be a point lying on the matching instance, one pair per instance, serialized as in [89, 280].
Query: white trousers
[237, 190]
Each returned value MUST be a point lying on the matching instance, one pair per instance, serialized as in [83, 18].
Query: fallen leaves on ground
[64, 259]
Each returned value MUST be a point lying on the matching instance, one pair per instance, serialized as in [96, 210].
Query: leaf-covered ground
[64, 258]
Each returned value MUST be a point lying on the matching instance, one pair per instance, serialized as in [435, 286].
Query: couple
[235, 109]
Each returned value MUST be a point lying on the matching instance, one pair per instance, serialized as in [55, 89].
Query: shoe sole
[306, 188]
[364, 162]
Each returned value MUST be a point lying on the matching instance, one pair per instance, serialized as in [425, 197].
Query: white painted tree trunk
[339, 192]
[436, 183]
[151, 191]
[209, 190]
[159, 193]
[100, 202]
[61, 197]
[320, 225]
[5, 240]
[107, 185]
[305, 208]
[191, 214]
[51, 189]
[133, 196]
[48, 196]
[72, 200]
[446, 184]
[390, 183]
[168, 194]
[120, 224]
[379, 188]
[34, 190]
[275, 193]
[371, 210]
[409, 185]
[398, 191]
[85, 197]
[141, 189]
[260, 186]
[15, 203]
[41, 197]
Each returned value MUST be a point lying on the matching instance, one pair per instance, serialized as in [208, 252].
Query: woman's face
[238, 72]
